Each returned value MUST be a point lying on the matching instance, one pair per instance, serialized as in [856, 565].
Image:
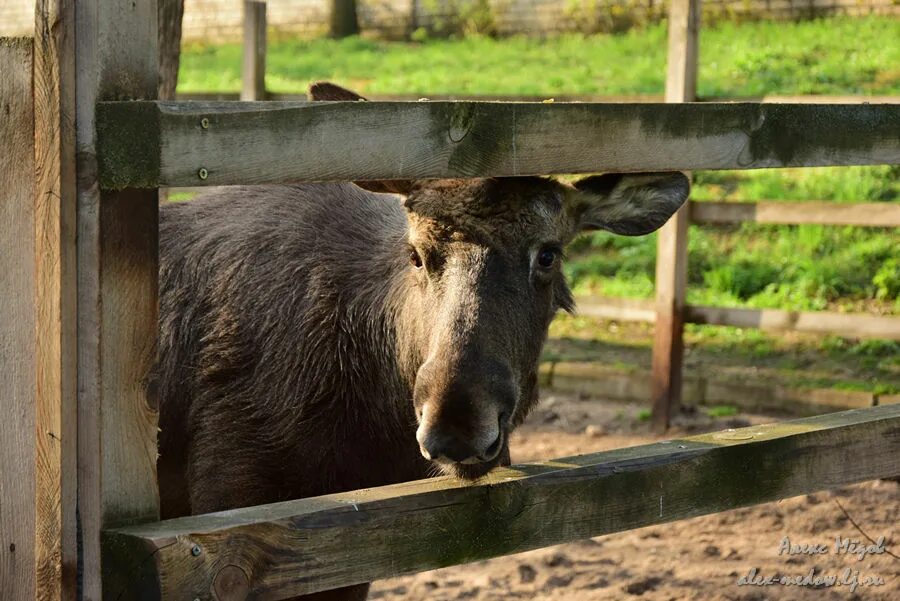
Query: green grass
[829, 56]
[804, 267]
[721, 411]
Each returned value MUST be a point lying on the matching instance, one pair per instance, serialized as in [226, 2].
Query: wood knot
[231, 584]
[460, 122]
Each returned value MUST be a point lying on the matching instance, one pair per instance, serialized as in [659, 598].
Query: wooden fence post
[55, 301]
[671, 254]
[254, 66]
[17, 323]
[116, 56]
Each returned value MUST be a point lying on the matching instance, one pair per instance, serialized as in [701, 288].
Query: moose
[326, 337]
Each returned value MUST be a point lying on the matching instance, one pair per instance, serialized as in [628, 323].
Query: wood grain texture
[17, 322]
[672, 239]
[858, 325]
[683, 51]
[55, 300]
[117, 289]
[668, 334]
[870, 214]
[253, 71]
[319, 543]
[149, 144]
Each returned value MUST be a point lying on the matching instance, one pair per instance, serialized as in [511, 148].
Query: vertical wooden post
[671, 254]
[254, 68]
[17, 323]
[55, 300]
[116, 56]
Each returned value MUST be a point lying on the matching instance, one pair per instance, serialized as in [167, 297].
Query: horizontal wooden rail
[149, 144]
[298, 547]
[851, 325]
[871, 214]
[616, 308]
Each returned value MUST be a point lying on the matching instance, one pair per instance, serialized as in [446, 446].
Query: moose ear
[629, 204]
[325, 90]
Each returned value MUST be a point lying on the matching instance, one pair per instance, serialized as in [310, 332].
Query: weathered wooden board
[851, 325]
[147, 144]
[873, 214]
[614, 308]
[272, 551]
[17, 323]
[55, 300]
[253, 70]
[672, 239]
[117, 289]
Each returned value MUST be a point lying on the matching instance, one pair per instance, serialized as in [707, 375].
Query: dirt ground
[700, 558]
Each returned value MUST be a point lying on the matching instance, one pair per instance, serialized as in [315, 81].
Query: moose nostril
[493, 450]
[437, 446]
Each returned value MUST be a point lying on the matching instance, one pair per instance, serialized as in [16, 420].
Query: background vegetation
[826, 56]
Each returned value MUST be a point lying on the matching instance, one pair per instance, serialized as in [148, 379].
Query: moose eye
[414, 258]
[547, 257]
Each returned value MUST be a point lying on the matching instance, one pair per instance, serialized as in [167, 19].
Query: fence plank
[55, 300]
[17, 323]
[614, 308]
[851, 325]
[146, 144]
[842, 324]
[672, 240]
[117, 289]
[871, 214]
[313, 544]
[254, 50]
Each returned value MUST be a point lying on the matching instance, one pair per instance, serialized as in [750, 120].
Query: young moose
[322, 337]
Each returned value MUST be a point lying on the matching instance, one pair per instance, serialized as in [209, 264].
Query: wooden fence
[86, 149]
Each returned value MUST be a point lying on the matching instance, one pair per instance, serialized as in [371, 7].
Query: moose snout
[464, 420]
[447, 444]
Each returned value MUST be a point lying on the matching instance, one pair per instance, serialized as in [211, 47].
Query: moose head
[481, 265]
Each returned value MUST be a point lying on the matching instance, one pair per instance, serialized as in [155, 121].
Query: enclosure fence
[89, 148]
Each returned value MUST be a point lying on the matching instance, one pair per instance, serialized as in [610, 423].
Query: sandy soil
[701, 558]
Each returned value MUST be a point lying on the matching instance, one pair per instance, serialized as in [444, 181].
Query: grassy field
[834, 56]
[789, 267]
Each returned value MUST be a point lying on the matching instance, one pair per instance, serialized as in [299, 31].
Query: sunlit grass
[824, 56]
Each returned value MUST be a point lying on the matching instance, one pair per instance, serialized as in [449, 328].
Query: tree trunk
[344, 21]
[170, 13]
